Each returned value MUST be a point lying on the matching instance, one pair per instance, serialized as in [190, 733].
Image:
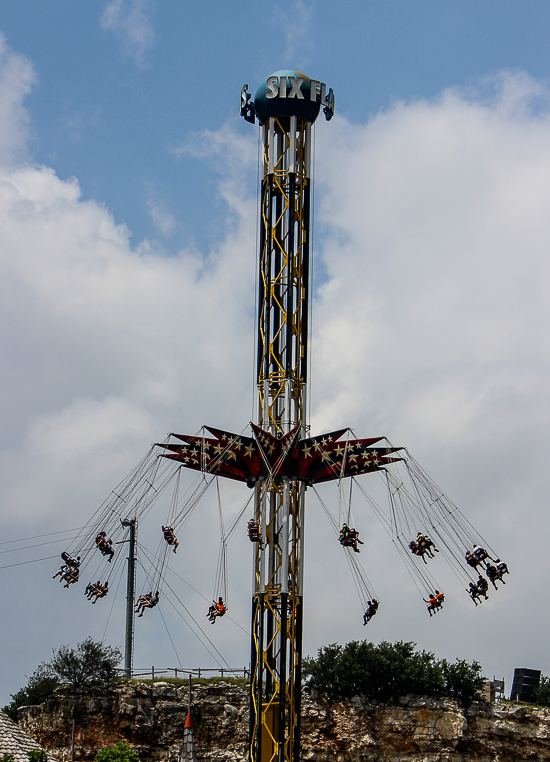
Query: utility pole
[130, 592]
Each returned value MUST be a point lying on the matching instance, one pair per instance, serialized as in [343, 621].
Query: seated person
[170, 537]
[218, 608]
[100, 591]
[492, 573]
[372, 608]
[502, 569]
[474, 593]
[104, 545]
[481, 554]
[349, 538]
[61, 572]
[254, 533]
[91, 587]
[482, 586]
[418, 550]
[147, 601]
[425, 542]
[472, 560]
[432, 603]
[71, 576]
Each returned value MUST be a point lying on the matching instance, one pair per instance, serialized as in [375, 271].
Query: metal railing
[184, 672]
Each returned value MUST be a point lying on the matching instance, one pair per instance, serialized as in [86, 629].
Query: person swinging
[482, 586]
[474, 593]
[147, 601]
[502, 569]
[435, 602]
[218, 608]
[349, 538]
[170, 537]
[105, 546]
[99, 591]
[427, 544]
[418, 550]
[71, 576]
[372, 608]
[254, 532]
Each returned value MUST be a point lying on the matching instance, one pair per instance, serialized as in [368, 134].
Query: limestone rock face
[152, 719]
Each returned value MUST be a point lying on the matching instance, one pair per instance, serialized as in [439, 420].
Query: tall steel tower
[286, 105]
[279, 460]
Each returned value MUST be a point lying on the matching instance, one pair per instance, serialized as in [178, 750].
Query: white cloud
[430, 327]
[17, 76]
[295, 24]
[130, 21]
[431, 324]
[156, 208]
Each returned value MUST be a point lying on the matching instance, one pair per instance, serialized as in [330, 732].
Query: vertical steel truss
[276, 642]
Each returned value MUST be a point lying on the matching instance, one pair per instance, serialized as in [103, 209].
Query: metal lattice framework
[279, 461]
[284, 273]
[276, 647]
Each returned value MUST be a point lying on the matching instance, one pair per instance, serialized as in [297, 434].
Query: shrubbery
[387, 671]
[120, 752]
[541, 694]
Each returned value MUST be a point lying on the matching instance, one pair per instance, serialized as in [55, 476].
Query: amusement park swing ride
[279, 461]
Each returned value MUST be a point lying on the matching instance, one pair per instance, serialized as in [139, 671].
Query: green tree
[120, 752]
[463, 681]
[387, 671]
[88, 664]
[7, 758]
[39, 688]
[541, 694]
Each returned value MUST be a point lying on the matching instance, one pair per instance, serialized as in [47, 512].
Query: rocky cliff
[151, 719]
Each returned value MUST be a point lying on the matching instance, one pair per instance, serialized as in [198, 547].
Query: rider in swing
[349, 538]
[218, 608]
[170, 537]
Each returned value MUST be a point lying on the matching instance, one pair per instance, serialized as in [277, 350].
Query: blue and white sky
[127, 256]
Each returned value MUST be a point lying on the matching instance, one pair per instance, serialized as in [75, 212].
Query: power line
[38, 545]
[37, 536]
[34, 561]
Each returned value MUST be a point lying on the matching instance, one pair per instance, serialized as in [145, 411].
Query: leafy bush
[120, 752]
[541, 694]
[387, 671]
[37, 755]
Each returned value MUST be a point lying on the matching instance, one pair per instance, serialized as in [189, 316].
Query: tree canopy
[388, 671]
[90, 663]
[541, 694]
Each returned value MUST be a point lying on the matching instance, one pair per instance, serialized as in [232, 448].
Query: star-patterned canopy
[263, 456]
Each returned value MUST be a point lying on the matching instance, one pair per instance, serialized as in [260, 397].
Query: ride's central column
[286, 105]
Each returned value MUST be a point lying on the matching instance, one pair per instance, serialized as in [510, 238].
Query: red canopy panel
[312, 460]
[228, 455]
